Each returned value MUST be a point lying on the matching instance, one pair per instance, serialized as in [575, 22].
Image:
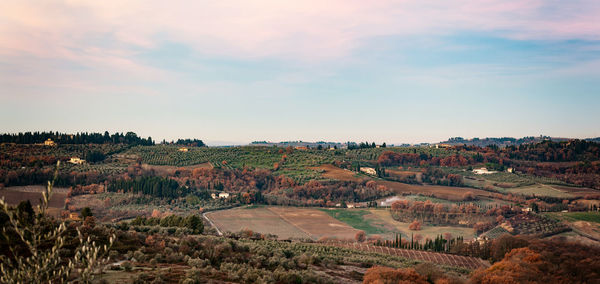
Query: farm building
[482, 171]
[437, 146]
[369, 171]
[221, 195]
[183, 149]
[76, 161]
[49, 142]
[74, 217]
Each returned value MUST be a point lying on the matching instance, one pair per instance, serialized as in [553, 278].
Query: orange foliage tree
[386, 275]
[415, 226]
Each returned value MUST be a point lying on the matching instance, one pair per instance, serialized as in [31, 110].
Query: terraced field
[433, 257]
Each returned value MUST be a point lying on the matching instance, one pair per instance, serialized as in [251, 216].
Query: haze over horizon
[231, 73]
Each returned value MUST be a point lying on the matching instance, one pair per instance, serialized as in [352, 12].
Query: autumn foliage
[541, 261]
[415, 226]
[386, 275]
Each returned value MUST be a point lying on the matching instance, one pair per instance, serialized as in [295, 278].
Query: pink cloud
[306, 30]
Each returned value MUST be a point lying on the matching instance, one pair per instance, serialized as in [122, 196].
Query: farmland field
[292, 222]
[389, 200]
[333, 172]
[580, 216]
[260, 220]
[15, 194]
[577, 191]
[395, 172]
[445, 192]
[356, 219]
[380, 222]
[384, 216]
[285, 222]
[433, 257]
[540, 190]
[315, 222]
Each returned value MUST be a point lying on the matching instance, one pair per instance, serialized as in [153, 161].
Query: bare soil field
[15, 194]
[285, 222]
[385, 219]
[577, 191]
[582, 223]
[170, 170]
[403, 173]
[444, 192]
[554, 191]
[315, 222]
[588, 229]
[260, 220]
[333, 172]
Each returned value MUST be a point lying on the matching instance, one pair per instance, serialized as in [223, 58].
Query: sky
[232, 72]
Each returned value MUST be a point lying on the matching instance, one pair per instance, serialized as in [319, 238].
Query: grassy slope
[584, 216]
[355, 218]
[426, 231]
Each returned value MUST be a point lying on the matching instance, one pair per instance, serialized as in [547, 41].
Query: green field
[427, 231]
[355, 218]
[584, 216]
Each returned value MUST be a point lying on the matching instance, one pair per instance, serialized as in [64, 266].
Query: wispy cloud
[306, 30]
[258, 60]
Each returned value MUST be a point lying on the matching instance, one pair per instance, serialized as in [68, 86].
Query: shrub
[360, 236]
[415, 226]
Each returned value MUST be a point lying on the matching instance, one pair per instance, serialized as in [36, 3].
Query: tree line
[363, 145]
[189, 142]
[149, 185]
[129, 138]
[192, 222]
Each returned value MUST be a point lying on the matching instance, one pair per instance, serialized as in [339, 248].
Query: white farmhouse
[369, 171]
[76, 161]
[483, 171]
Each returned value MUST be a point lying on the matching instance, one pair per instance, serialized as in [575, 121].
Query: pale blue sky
[395, 72]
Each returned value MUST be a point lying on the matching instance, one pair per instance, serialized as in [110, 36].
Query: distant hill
[597, 139]
[501, 141]
[299, 144]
